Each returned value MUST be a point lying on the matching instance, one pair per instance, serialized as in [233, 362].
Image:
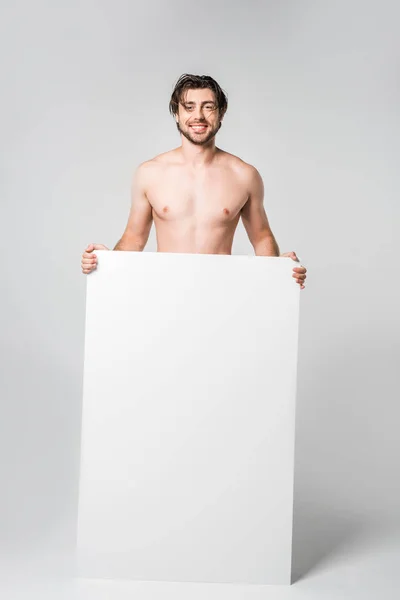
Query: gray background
[314, 105]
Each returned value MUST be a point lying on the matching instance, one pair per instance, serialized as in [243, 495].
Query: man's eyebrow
[204, 102]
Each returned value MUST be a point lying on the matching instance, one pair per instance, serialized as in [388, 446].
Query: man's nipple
[226, 211]
[165, 209]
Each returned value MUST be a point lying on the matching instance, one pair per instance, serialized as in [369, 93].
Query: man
[196, 193]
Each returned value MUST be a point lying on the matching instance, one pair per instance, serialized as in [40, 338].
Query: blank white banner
[188, 425]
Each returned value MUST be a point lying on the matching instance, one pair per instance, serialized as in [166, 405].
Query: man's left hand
[299, 272]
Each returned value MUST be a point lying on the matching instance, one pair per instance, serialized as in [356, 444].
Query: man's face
[198, 116]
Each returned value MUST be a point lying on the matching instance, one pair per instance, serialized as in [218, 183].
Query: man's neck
[198, 155]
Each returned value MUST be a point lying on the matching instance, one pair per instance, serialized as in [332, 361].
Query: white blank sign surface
[187, 452]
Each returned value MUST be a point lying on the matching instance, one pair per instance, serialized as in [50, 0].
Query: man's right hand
[89, 260]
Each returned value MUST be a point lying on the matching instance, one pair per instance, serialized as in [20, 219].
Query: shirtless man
[196, 193]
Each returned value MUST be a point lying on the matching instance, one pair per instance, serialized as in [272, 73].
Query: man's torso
[196, 209]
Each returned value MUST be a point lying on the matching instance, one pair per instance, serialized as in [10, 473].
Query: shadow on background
[320, 534]
[346, 426]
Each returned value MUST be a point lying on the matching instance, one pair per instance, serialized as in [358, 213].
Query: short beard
[209, 137]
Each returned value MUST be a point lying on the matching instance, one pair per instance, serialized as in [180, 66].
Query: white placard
[188, 426]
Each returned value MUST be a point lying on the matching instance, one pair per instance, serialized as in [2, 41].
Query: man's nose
[198, 112]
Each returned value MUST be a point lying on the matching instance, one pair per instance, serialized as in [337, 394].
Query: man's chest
[206, 196]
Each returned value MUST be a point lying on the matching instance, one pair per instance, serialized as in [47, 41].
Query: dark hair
[195, 82]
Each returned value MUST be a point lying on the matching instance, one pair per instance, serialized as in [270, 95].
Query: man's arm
[255, 219]
[140, 217]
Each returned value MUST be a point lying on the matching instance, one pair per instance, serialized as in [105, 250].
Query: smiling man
[196, 194]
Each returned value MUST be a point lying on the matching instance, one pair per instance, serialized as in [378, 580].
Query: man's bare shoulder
[161, 160]
[148, 170]
[245, 171]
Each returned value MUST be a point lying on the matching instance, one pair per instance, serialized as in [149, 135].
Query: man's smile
[198, 128]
